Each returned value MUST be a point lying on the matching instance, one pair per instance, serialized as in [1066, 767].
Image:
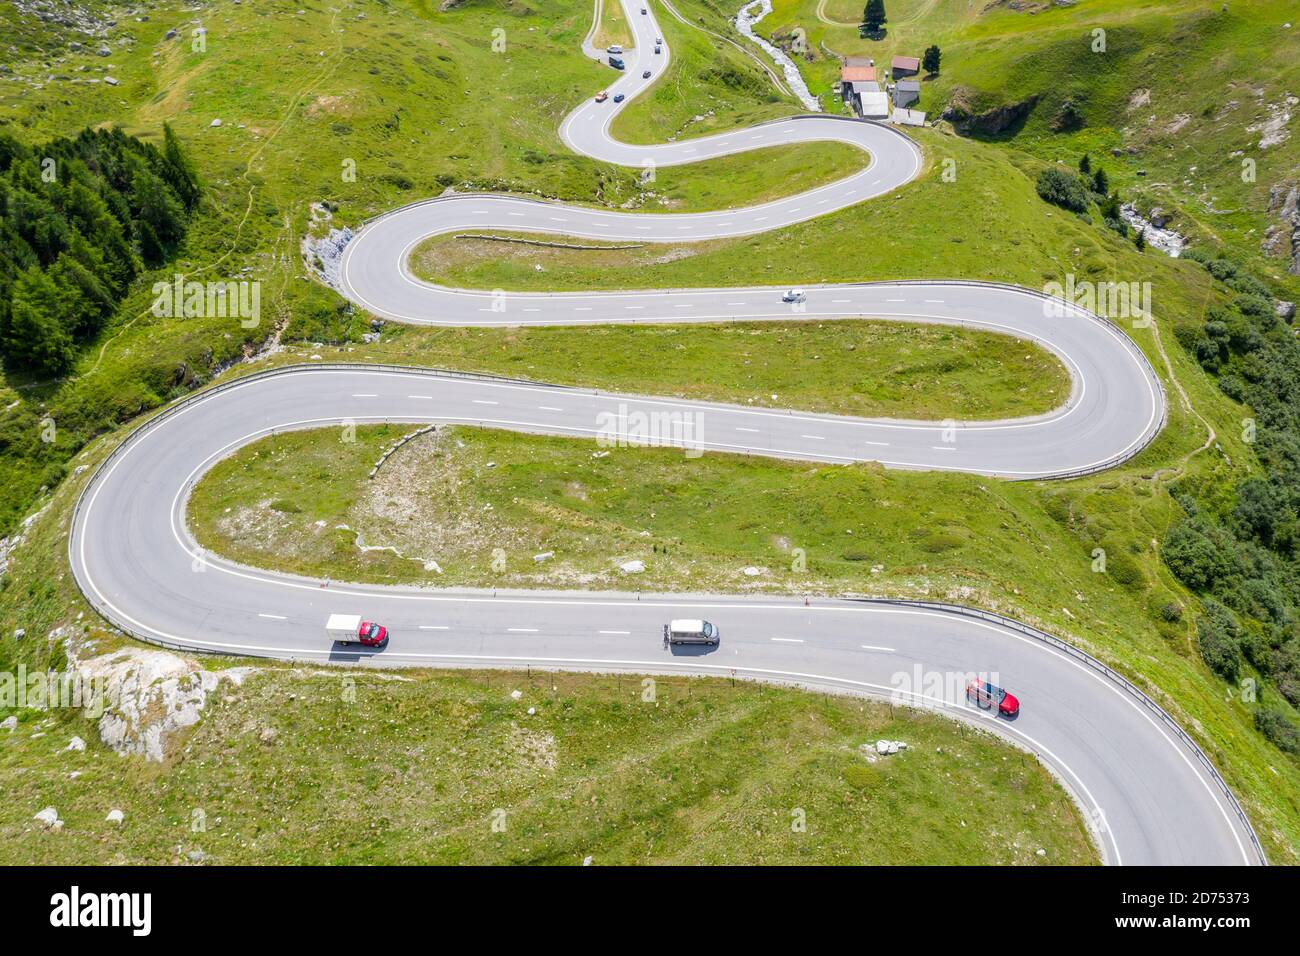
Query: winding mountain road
[1148, 794]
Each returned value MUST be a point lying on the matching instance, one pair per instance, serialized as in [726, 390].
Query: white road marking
[788, 640]
[273, 617]
[522, 630]
[434, 627]
[872, 647]
[365, 395]
[615, 632]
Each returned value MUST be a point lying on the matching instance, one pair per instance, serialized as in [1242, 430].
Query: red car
[602, 96]
[372, 635]
[986, 695]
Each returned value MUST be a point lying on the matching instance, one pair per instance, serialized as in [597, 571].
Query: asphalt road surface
[1147, 794]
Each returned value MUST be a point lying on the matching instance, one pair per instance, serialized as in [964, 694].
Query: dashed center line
[272, 617]
[788, 640]
[522, 630]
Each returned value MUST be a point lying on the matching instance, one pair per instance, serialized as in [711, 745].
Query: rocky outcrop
[966, 117]
[1282, 238]
[150, 697]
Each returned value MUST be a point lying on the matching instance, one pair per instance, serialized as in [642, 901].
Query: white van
[691, 631]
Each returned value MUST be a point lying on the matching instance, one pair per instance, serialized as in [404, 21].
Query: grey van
[691, 631]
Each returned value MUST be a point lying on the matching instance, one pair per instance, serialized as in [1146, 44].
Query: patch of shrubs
[1216, 633]
[1275, 726]
[1240, 547]
[1062, 189]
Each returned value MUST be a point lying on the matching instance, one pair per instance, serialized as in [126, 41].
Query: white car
[794, 295]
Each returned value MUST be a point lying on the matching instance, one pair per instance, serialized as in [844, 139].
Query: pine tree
[179, 171]
[160, 218]
[873, 16]
[34, 338]
[930, 61]
[1085, 165]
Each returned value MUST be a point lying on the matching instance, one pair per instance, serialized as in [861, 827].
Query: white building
[873, 105]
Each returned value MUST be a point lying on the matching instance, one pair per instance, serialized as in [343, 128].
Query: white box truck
[343, 627]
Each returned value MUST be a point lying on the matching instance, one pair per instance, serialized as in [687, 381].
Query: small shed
[907, 92]
[902, 117]
[905, 66]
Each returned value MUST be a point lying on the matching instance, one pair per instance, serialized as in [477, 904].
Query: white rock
[531, 711]
[49, 817]
[215, 122]
[632, 567]
[76, 744]
[751, 571]
[115, 816]
[586, 861]
[539, 558]
[889, 746]
[10, 723]
[155, 695]
[516, 694]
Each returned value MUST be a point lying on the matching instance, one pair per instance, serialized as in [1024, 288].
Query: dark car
[645, 75]
[987, 695]
[618, 97]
